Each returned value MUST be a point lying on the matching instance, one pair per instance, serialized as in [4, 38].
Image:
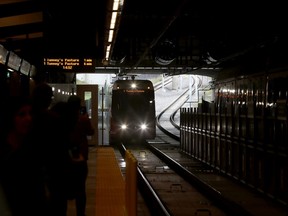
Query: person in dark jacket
[21, 174]
[80, 128]
[49, 138]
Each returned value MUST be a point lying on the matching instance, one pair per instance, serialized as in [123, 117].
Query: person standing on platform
[79, 128]
[21, 176]
[51, 141]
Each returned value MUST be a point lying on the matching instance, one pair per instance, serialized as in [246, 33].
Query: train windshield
[131, 104]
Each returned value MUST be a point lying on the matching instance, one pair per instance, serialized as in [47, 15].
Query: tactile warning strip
[110, 184]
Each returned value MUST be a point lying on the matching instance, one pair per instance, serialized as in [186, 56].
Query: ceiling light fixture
[116, 8]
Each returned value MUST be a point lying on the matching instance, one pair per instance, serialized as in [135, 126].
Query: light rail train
[132, 114]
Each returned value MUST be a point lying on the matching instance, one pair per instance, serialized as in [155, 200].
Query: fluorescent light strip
[113, 20]
[115, 5]
[115, 8]
[110, 35]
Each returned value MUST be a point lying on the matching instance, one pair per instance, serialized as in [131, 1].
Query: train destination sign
[133, 91]
[70, 64]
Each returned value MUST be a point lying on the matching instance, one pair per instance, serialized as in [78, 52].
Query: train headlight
[143, 126]
[123, 126]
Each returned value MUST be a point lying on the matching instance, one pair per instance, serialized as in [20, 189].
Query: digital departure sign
[70, 64]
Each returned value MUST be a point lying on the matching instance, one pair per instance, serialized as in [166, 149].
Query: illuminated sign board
[134, 91]
[25, 67]
[14, 61]
[70, 64]
[3, 55]
[32, 71]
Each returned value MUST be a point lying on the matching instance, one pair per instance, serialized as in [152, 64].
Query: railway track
[174, 183]
[165, 191]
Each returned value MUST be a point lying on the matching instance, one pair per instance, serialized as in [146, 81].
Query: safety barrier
[131, 184]
[250, 147]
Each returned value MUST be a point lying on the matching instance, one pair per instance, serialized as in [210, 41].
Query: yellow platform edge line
[110, 184]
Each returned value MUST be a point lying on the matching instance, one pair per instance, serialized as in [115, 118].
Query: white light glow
[143, 126]
[123, 126]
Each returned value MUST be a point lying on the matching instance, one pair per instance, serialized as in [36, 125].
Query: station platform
[105, 186]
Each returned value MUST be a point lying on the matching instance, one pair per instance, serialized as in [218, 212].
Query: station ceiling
[151, 36]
